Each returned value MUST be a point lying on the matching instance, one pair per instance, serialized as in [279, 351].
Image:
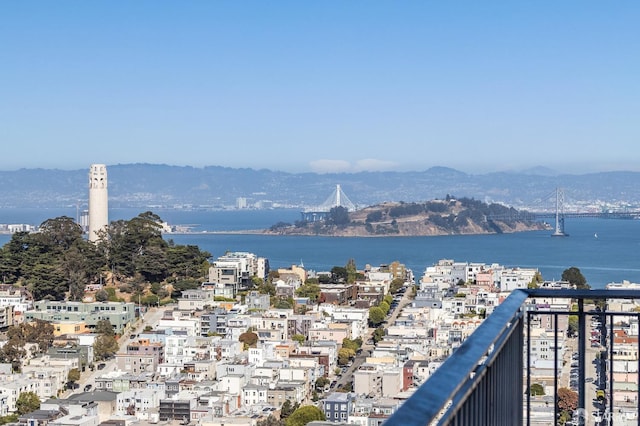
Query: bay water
[605, 250]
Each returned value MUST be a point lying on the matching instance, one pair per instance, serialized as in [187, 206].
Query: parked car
[87, 388]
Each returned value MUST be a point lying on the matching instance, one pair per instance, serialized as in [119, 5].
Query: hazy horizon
[534, 170]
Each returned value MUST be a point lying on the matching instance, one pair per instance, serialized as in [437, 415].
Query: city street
[150, 318]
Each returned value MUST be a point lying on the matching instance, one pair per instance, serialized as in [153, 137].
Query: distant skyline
[321, 86]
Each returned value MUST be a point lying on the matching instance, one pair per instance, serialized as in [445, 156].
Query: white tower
[98, 200]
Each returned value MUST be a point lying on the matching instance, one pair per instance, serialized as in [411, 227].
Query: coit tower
[98, 200]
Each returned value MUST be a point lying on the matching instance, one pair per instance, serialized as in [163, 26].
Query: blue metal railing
[483, 382]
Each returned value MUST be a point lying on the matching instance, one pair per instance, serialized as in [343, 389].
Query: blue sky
[321, 86]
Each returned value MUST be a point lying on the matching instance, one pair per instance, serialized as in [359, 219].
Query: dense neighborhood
[253, 346]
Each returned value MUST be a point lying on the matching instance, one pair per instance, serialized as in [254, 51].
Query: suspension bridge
[337, 199]
[559, 214]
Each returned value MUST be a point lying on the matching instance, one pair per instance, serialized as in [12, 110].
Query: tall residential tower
[98, 200]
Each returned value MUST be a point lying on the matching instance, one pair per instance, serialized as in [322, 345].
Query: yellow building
[69, 327]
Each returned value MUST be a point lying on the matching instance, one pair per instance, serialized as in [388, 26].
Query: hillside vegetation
[131, 261]
[437, 217]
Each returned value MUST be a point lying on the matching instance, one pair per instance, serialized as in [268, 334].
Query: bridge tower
[337, 199]
[559, 231]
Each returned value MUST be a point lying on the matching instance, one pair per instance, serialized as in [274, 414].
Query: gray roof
[96, 396]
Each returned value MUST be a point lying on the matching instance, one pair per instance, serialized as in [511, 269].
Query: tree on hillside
[104, 327]
[345, 355]
[104, 347]
[338, 216]
[575, 277]
[354, 344]
[312, 291]
[130, 245]
[27, 402]
[187, 260]
[51, 262]
[376, 315]
[338, 274]
[352, 271]
[536, 389]
[321, 382]
[102, 295]
[37, 331]
[304, 415]
[12, 352]
[287, 409]
[396, 285]
[298, 338]
[536, 280]
[77, 260]
[270, 421]
[378, 334]
[73, 375]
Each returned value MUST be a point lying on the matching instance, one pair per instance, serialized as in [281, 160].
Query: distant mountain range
[152, 185]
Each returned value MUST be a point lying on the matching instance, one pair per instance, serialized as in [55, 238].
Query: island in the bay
[449, 216]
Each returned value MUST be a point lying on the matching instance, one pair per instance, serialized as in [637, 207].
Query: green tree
[312, 291]
[575, 277]
[304, 415]
[104, 347]
[396, 285]
[104, 327]
[339, 274]
[38, 260]
[287, 409]
[338, 216]
[12, 352]
[536, 389]
[38, 331]
[27, 402]
[284, 303]
[270, 421]
[321, 382]
[298, 338]
[352, 271]
[536, 280]
[73, 375]
[354, 345]
[187, 261]
[102, 295]
[10, 418]
[376, 315]
[378, 334]
[345, 355]
[267, 287]
[572, 328]
[385, 307]
[130, 246]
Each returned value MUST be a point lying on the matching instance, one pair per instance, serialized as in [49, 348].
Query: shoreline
[301, 234]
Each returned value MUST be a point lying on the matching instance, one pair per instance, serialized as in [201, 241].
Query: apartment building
[119, 314]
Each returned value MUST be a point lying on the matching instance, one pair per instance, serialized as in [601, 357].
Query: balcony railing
[487, 380]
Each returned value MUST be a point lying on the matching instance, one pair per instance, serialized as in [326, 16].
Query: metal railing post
[528, 390]
[581, 354]
[555, 366]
